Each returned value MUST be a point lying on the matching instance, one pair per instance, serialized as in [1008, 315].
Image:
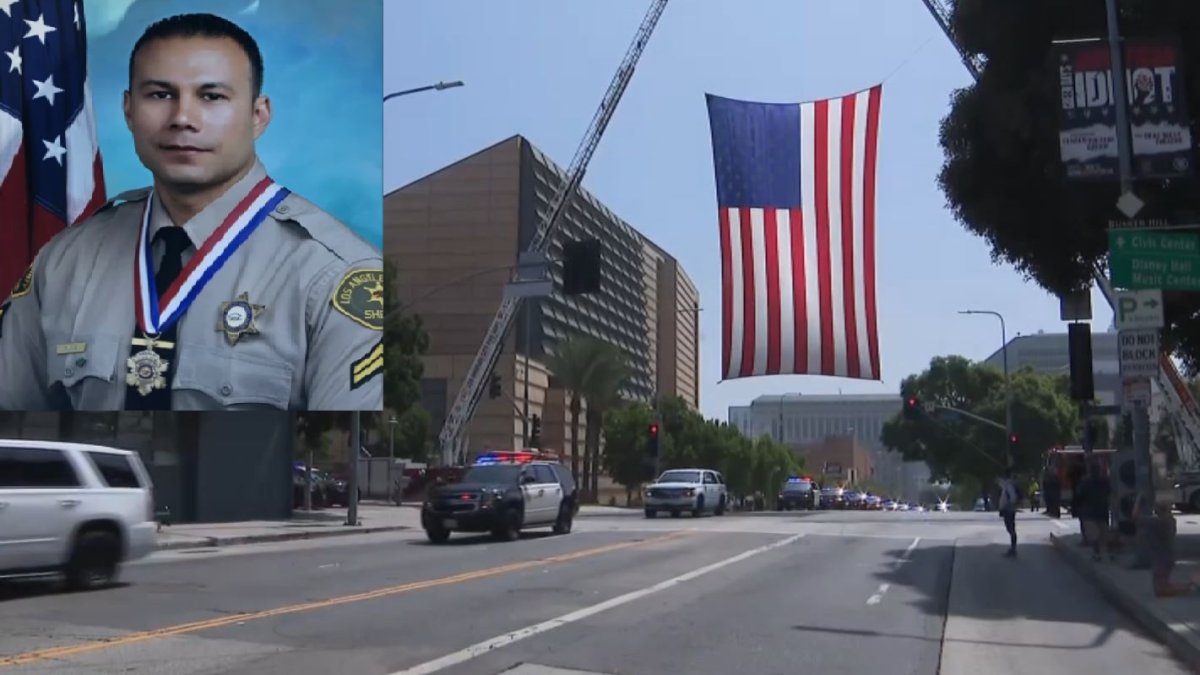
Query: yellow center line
[195, 626]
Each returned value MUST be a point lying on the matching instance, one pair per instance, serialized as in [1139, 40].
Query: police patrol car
[503, 493]
[799, 492]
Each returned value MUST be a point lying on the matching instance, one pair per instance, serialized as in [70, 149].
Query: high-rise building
[455, 236]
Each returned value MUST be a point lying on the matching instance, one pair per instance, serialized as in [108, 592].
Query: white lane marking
[878, 597]
[486, 646]
[908, 551]
[1060, 524]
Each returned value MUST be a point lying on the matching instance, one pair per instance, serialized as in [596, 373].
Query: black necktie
[176, 241]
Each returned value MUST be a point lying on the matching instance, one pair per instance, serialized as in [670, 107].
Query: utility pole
[1008, 396]
[392, 488]
[527, 308]
[352, 488]
[1140, 415]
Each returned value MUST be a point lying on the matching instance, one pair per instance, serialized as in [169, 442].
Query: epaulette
[324, 228]
[135, 195]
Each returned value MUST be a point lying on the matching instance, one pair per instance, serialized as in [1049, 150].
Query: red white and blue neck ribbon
[155, 317]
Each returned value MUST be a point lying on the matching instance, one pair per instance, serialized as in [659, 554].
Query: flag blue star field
[796, 207]
[50, 170]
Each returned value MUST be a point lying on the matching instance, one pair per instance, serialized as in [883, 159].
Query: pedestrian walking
[1007, 506]
[1095, 495]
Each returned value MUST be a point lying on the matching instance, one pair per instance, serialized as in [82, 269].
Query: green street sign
[1166, 259]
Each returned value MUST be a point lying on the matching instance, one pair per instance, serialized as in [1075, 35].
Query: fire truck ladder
[451, 439]
[1181, 405]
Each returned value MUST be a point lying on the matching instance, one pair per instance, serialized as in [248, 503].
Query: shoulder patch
[370, 365]
[359, 295]
[24, 284]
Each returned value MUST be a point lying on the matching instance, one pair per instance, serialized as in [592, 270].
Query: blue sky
[322, 70]
[540, 67]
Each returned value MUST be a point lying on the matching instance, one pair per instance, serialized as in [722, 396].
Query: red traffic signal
[913, 403]
[1012, 439]
[653, 429]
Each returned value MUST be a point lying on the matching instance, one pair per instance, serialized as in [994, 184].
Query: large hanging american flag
[796, 199]
[50, 170]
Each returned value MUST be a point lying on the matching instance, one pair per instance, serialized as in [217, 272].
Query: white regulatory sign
[1139, 309]
[1139, 352]
[1136, 393]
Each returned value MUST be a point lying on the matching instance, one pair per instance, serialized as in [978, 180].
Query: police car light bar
[505, 457]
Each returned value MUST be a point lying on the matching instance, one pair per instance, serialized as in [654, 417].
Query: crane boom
[940, 9]
[467, 399]
[1183, 406]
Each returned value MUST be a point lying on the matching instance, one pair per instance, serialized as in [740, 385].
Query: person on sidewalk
[1007, 506]
[1034, 495]
[1161, 531]
[1095, 495]
[1052, 491]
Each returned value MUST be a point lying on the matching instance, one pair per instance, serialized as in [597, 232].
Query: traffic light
[1079, 349]
[494, 389]
[581, 267]
[535, 432]
[652, 447]
[912, 406]
[1012, 439]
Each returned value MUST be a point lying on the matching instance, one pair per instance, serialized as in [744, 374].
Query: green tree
[404, 342]
[413, 434]
[1002, 175]
[592, 370]
[625, 446]
[946, 446]
[962, 449]
[608, 373]
[1042, 418]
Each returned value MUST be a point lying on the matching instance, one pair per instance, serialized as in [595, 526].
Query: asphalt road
[754, 594]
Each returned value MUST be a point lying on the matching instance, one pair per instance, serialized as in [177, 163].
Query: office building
[799, 420]
[455, 236]
[1049, 354]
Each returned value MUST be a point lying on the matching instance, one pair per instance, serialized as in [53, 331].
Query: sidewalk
[374, 516]
[303, 525]
[1174, 621]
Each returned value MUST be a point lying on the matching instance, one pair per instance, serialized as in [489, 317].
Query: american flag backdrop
[50, 170]
[796, 200]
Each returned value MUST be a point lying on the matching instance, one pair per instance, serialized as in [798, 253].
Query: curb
[1187, 650]
[215, 542]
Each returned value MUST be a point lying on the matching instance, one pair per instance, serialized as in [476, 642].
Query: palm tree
[594, 370]
[610, 370]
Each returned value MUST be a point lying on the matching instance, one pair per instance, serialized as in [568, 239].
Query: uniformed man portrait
[216, 287]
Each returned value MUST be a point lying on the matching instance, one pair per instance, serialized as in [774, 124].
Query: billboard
[1158, 116]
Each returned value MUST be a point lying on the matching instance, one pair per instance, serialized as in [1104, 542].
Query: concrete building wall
[453, 235]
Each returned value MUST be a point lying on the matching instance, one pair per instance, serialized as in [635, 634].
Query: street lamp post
[432, 87]
[1008, 399]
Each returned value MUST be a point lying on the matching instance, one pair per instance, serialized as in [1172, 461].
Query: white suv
[679, 490]
[72, 509]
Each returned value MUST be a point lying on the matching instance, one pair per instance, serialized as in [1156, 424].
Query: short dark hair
[203, 25]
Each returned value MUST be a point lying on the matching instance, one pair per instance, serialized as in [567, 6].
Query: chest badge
[239, 317]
